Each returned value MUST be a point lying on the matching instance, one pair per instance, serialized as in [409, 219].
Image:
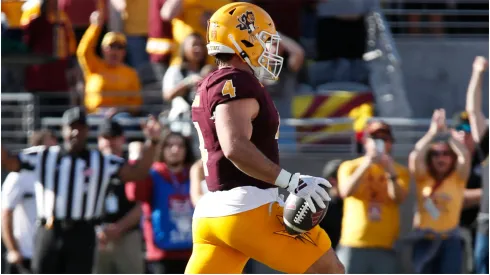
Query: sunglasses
[440, 153]
[117, 47]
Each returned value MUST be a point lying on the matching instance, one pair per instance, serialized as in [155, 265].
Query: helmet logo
[247, 22]
[213, 29]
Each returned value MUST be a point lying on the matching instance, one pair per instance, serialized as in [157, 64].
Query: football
[298, 217]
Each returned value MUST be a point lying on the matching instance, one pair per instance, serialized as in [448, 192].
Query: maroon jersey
[222, 86]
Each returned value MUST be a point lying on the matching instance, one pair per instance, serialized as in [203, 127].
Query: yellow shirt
[371, 218]
[136, 18]
[447, 198]
[13, 12]
[194, 18]
[106, 86]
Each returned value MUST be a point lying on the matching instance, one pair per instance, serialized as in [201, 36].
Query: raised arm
[416, 160]
[140, 169]
[473, 98]
[171, 9]
[295, 51]
[463, 161]
[86, 51]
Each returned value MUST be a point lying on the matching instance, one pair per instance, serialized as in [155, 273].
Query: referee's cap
[110, 128]
[73, 115]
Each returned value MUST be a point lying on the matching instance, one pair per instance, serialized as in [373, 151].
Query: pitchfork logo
[247, 22]
[315, 217]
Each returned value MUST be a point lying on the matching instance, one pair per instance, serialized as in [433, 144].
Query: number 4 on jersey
[229, 89]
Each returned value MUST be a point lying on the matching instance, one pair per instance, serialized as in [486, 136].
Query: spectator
[13, 14]
[73, 186]
[119, 246]
[167, 207]
[42, 22]
[160, 41]
[373, 186]
[134, 17]
[187, 17]
[479, 131]
[180, 82]
[198, 182]
[287, 15]
[440, 165]
[108, 82]
[335, 19]
[473, 191]
[332, 223]
[19, 212]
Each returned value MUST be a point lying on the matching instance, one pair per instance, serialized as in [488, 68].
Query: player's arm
[473, 99]
[234, 129]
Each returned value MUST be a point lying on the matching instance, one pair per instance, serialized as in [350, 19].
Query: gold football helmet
[248, 31]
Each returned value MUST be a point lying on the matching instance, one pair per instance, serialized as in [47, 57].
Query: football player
[237, 122]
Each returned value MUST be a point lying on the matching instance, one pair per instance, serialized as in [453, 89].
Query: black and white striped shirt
[70, 187]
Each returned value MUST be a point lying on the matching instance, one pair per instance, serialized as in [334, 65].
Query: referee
[71, 190]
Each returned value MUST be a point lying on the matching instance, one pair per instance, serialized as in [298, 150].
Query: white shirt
[180, 109]
[234, 201]
[18, 195]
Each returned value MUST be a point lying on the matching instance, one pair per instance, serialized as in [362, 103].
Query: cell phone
[380, 146]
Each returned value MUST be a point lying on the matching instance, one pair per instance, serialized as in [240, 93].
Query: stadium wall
[437, 71]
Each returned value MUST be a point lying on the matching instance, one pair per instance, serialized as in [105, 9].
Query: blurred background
[346, 62]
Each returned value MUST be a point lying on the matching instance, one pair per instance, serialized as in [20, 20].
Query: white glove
[307, 187]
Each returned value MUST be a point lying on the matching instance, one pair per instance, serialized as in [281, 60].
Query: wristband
[283, 179]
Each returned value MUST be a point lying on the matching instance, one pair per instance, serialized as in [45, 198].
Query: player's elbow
[230, 152]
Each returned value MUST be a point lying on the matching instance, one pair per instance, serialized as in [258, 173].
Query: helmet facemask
[269, 60]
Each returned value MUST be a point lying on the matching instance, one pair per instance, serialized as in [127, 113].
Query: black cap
[461, 122]
[331, 168]
[73, 115]
[110, 128]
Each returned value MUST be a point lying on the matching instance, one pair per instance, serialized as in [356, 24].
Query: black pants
[64, 249]
[22, 268]
[168, 266]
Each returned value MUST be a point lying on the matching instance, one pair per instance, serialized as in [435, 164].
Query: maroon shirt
[50, 77]
[78, 11]
[223, 175]
[157, 28]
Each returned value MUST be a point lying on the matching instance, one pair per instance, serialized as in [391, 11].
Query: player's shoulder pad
[231, 84]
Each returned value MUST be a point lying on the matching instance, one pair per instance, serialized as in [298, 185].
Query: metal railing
[338, 142]
[436, 17]
[17, 119]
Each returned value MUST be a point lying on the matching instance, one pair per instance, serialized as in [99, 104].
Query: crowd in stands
[117, 58]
